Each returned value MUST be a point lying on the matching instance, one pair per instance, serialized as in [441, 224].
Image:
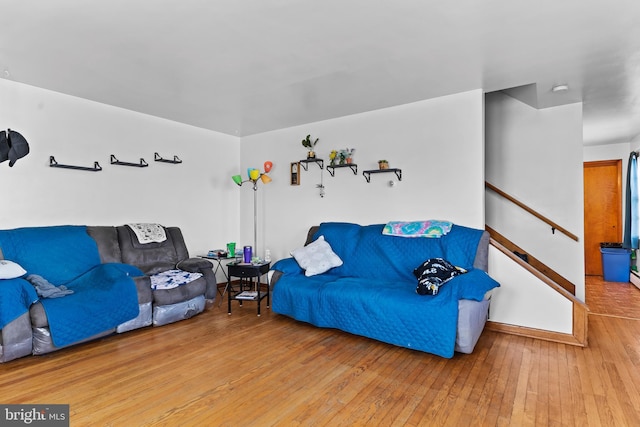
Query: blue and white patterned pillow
[172, 279]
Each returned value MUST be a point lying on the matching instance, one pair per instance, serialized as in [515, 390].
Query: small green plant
[307, 143]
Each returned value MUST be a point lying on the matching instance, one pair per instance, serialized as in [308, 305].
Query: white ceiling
[247, 66]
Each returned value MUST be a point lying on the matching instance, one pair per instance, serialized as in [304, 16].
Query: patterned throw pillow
[316, 258]
[434, 273]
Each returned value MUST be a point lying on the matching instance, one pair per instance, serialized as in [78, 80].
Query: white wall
[195, 195]
[536, 156]
[524, 300]
[437, 143]
[621, 151]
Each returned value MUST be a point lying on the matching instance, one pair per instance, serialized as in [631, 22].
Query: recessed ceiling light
[560, 88]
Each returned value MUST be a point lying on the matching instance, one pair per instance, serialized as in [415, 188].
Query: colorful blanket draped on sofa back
[367, 253]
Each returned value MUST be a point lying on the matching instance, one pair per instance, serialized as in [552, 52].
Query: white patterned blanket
[148, 232]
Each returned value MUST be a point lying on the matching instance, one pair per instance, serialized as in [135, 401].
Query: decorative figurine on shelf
[342, 156]
[332, 157]
[346, 156]
[310, 145]
[383, 164]
[349, 154]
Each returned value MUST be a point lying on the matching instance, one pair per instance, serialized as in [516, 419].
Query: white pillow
[10, 270]
[316, 258]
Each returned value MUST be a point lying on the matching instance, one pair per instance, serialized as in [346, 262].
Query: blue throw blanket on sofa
[102, 298]
[373, 293]
[104, 294]
[16, 296]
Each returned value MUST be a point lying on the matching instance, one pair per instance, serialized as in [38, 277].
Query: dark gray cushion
[38, 316]
[151, 258]
[481, 260]
[107, 240]
[143, 286]
[16, 339]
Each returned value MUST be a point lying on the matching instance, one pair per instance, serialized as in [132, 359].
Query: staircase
[544, 292]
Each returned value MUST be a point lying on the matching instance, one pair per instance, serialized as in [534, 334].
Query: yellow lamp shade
[254, 174]
[265, 179]
[237, 179]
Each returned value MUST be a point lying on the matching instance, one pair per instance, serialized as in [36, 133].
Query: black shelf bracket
[96, 167]
[352, 166]
[115, 161]
[367, 173]
[175, 160]
[305, 163]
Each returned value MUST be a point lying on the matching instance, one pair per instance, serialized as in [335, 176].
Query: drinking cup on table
[231, 249]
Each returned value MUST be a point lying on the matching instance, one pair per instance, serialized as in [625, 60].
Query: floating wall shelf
[352, 166]
[52, 163]
[115, 161]
[367, 173]
[158, 158]
[304, 163]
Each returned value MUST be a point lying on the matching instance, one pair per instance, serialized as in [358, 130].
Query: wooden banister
[515, 201]
[532, 261]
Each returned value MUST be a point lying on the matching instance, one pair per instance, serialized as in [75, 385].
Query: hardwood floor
[221, 370]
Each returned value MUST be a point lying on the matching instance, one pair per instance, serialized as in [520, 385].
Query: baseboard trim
[634, 278]
[524, 331]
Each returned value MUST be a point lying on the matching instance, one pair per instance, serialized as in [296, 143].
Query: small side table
[217, 265]
[249, 274]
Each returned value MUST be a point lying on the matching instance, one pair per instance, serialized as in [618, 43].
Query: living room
[440, 143]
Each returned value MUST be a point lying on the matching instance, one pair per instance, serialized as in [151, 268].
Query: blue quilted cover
[104, 294]
[16, 296]
[102, 298]
[373, 293]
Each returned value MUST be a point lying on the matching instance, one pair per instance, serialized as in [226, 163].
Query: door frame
[617, 163]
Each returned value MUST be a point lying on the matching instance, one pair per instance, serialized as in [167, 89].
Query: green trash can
[616, 262]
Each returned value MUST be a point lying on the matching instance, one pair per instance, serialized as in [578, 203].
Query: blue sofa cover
[104, 295]
[373, 293]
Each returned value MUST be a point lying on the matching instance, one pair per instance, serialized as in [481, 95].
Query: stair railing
[541, 217]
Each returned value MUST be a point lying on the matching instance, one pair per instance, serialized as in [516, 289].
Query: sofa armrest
[274, 276]
[200, 265]
[194, 265]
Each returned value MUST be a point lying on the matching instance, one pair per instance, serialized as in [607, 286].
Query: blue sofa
[109, 273]
[373, 293]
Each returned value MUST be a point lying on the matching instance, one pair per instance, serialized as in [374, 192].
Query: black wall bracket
[352, 166]
[305, 163]
[367, 174]
[96, 167]
[158, 158]
[115, 161]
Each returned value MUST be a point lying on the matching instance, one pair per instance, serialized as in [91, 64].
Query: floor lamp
[254, 176]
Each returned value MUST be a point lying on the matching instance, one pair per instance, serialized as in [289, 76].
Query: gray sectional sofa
[30, 332]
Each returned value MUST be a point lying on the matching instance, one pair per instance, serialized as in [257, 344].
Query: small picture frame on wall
[295, 173]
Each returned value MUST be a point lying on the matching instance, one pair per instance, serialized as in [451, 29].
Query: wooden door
[602, 210]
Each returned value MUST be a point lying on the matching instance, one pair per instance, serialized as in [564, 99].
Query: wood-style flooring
[244, 370]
